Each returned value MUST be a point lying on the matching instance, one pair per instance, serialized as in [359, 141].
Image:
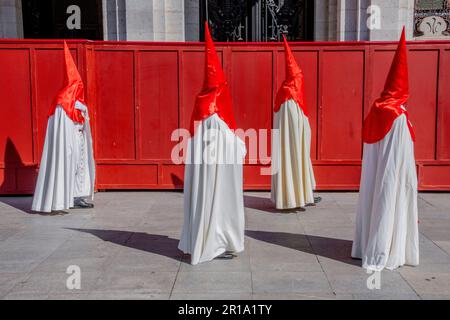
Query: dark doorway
[258, 20]
[57, 19]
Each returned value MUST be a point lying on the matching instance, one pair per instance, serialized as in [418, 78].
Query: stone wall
[11, 25]
[178, 20]
[346, 20]
[144, 20]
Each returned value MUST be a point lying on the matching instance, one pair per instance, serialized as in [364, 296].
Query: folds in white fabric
[386, 234]
[293, 179]
[57, 179]
[214, 218]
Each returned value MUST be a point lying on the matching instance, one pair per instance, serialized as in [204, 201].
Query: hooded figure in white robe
[67, 169]
[386, 234]
[293, 180]
[214, 218]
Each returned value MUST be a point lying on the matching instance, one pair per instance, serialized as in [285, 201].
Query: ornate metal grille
[437, 15]
[258, 20]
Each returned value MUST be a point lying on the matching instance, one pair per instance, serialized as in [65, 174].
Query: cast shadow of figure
[176, 181]
[13, 161]
[335, 249]
[152, 243]
[265, 204]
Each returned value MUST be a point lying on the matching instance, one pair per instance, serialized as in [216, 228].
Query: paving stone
[211, 296]
[294, 296]
[151, 281]
[213, 282]
[391, 283]
[132, 294]
[290, 282]
[127, 248]
[428, 282]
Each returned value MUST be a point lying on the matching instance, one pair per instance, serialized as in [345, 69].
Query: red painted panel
[443, 125]
[7, 181]
[342, 104]
[253, 179]
[115, 105]
[435, 177]
[158, 103]
[192, 80]
[308, 63]
[172, 175]
[123, 176]
[16, 145]
[381, 62]
[192, 74]
[423, 75]
[131, 138]
[251, 89]
[26, 178]
[49, 66]
[337, 177]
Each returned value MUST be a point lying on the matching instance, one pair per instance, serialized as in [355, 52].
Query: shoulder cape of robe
[292, 172]
[386, 233]
[56, 183]
[213, 192]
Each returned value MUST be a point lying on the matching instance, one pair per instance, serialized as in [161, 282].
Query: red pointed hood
[215, 96]
[293, 86]
[391, 103]
[72, 91]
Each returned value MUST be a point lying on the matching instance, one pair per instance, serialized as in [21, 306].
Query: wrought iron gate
[258, 20]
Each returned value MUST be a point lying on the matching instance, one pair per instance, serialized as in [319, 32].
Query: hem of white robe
[390, 268]
[289, 207]
[53, 209]
[210, 257]
[378, 268]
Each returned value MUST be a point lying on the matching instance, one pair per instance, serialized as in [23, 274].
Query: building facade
[230, 20]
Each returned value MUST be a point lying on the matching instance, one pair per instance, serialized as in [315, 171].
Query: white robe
[214, 218]
[387, 233]
[67, 168]
[293, 180]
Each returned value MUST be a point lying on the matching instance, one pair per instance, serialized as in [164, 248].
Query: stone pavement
[127, 249]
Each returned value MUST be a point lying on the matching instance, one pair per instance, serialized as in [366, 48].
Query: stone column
[321, 17]
[192, 20]
[11, 25]
[394, 15]
[140, 18]
[174, 20]
[114, 20]
[144, 20]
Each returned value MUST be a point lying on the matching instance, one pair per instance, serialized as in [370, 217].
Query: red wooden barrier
[138, 93]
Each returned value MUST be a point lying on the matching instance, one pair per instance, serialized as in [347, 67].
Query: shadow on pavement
[265, 204]
[22, 203]
[153, 243]
[336, 249]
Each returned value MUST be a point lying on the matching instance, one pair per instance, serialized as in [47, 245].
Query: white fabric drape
[214, 218]
[67, 167]
[292, 172]
[387, 233]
